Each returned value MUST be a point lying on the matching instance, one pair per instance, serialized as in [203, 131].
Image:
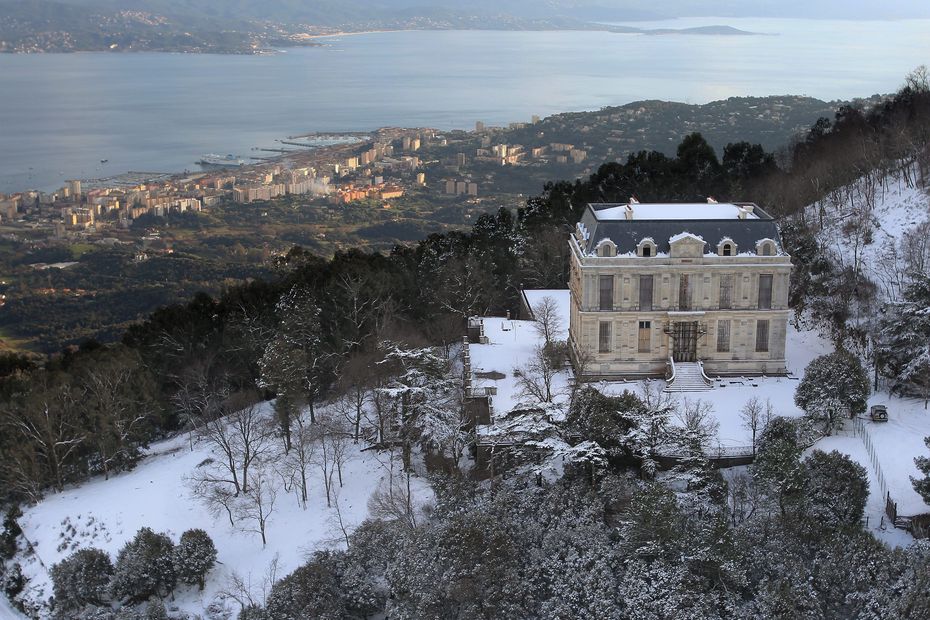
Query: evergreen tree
[194, 556]
[144, 567]
[778, 462]
[606, 420]
[834, 385]
[81, 579]
[922, 485]
[904, 350]
[836, 489]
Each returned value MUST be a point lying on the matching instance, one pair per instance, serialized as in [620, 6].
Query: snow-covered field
[107, 513]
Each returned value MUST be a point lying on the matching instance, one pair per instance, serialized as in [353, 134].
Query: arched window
[726, 247]
[646, 248]
[765, 247]
[606, 248]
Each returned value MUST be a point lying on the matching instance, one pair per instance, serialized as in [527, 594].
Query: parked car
[879, 413]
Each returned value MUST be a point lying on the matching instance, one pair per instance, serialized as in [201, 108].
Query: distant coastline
[258, 45]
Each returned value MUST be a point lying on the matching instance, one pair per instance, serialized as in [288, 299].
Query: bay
[60, 114]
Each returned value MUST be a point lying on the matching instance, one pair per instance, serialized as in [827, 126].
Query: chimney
[742, 212]
[633, 200]
[628, 212]
[711, 200]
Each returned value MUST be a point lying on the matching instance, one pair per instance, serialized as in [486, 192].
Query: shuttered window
[726, 291]
[684, 292]
[607, 292]
[603, 340]
[645, 292]
[645, 336]
[723, 336]
[762, 336]
[765, 292]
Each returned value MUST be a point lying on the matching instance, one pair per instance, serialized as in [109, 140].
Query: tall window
[603, 341]
[727, 249]
[647, 250]
[684, 292]
[726, 291]
[607, 292]
[723, 336]
[762, 336]
[645, 336]
[645, 292]
[765, 292]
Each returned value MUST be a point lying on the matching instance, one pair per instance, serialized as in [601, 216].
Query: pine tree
[194, 556]
[922, 485]
[144, 567]
[836, 489]
[904, 349]
[81, 579]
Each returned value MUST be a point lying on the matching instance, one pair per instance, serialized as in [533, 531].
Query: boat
[221, 161]
[103, 161]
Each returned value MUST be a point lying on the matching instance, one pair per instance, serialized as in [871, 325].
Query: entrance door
[684, 347]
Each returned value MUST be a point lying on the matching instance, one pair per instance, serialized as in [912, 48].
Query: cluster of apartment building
[454, 187]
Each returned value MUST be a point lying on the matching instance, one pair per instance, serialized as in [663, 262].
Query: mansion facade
[651, 283]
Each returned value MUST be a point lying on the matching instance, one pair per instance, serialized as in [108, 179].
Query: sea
[62, 114]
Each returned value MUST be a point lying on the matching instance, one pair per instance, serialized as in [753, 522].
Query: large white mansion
[691, 283]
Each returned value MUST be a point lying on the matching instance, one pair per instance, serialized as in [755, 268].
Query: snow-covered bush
[836, 489]
[144, 567]
[194, 556]
[320, 589]
[834, 385]
[81, 579]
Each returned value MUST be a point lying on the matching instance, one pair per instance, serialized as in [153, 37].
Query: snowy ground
[896, 210]
[107, 513]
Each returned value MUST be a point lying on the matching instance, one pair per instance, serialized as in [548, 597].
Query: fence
[863, 434]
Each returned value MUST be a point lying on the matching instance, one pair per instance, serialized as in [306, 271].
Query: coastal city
[333, 169]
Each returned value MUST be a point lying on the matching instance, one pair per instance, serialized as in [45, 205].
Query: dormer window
[606, 248]
[646, 248]
[726, 247]
[765, 247]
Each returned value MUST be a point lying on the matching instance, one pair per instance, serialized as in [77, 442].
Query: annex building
[655, 286]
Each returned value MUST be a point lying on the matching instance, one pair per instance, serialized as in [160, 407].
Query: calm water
[61, 114]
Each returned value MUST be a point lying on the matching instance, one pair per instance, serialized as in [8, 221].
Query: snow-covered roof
[685, 235]
[711, 222]
[674, 211]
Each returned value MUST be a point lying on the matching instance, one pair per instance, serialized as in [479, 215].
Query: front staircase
[688, 377]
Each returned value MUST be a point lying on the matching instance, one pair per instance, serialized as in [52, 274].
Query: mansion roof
[627, 225]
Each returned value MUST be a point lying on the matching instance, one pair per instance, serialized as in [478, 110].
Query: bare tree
[257, 503]
[300, 458]
[546, 319]
[241, 438]
[356, 382]
[324, 459]
[48, 423]
[218, 496]
[537, 377]
[198, 395]
[744, 497]
[751, 414]
[393, 502]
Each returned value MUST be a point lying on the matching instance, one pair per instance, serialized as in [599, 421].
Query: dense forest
[606, 543]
